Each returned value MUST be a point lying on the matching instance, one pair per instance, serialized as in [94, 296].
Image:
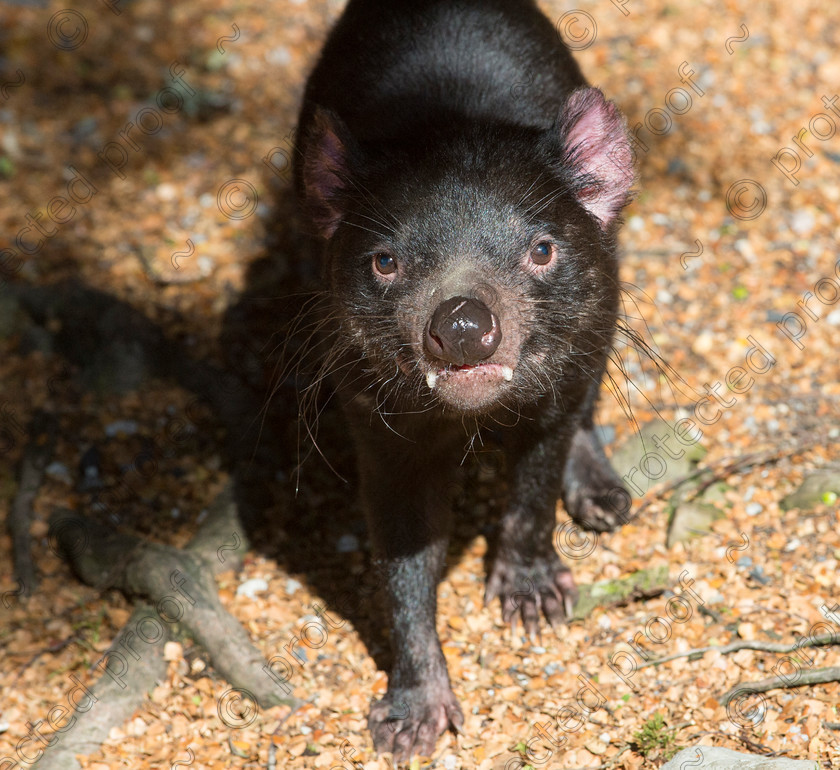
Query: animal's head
[473, 267]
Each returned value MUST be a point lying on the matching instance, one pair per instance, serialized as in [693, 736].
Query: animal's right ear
[326, 169]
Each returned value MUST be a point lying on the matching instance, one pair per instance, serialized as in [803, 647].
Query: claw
[551, 593]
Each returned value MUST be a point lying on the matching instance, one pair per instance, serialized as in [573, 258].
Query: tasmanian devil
[465, 184]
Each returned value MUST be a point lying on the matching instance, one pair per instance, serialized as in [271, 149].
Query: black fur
[457, 138]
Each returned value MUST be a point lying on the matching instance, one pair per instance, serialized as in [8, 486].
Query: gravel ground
[156, 136]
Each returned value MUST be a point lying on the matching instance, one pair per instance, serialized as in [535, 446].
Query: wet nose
[463, 331]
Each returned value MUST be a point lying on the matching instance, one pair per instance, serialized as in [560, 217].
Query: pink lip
[465, 372]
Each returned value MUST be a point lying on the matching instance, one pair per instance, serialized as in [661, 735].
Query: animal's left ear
[597, 147]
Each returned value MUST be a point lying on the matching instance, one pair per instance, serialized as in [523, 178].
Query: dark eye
[384, 264]
[542, 252]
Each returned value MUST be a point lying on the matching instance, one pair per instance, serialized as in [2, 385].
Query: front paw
[408, 720]
[598, 512]
[593, 493]
[544, 586]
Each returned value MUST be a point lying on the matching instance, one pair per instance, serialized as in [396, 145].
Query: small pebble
[758, 575]
[292, 585]
[205, 265]
[121, 427]
[252, 587]
[745, 561]
[279, 56]
[793, 544]
[166, 192]
[704, 342]
[347, 544]
[753, 509]
[802, 222]
[59, 472]
[450, 762]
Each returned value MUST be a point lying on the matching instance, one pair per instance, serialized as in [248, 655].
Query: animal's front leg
[527, 574]
[407, 502]
[593, 493]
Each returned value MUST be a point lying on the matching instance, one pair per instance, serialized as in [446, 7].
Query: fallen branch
[813, 676]
[111, 700]
[180, 583]
[35, 457]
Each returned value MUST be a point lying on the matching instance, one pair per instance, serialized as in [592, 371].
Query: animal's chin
[468, 388]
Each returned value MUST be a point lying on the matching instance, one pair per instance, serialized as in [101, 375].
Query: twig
[723, 468]
[812, 676]
[35, 654]
[758, 748]
[745, 644]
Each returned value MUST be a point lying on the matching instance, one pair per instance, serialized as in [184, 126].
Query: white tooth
[507, 373]
[431, 379]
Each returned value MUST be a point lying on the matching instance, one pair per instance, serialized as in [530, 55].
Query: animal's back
[392, 69]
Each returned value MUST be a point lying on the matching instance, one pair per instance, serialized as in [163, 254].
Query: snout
[462, 331]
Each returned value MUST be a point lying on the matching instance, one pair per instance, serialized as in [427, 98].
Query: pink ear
[325, 171]
[598, 148]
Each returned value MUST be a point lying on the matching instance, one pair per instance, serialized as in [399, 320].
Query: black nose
[463, 331]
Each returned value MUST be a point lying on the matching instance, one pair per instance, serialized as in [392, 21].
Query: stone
[653, 456]
[822, 487]
[713, 758]
[690, 520]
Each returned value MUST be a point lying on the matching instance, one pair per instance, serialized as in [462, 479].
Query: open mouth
[468, 371]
